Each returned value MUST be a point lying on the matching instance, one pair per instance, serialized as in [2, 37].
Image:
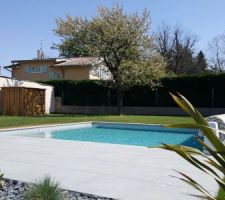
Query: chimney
[39, 54]
[42, 55]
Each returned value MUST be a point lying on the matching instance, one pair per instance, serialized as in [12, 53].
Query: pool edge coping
[65, 124]
[41, 126]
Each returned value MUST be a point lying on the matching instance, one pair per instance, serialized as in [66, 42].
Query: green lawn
[14, 121]
[221, 195]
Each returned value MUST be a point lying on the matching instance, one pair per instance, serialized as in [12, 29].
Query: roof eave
[11, 66]
[33, 60]
[84, 65]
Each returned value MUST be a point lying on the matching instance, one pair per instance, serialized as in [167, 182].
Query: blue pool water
[139, 135]
[123, 136]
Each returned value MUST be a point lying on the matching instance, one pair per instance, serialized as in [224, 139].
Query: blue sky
[24, 23]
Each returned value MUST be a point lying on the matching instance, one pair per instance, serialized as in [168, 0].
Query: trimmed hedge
[202, 91]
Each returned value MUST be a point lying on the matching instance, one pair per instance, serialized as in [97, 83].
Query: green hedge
[202, 91]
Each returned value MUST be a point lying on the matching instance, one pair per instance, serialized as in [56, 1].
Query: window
[54, 75]
[36, 69]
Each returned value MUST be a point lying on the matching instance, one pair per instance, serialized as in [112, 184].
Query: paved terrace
[117, 171]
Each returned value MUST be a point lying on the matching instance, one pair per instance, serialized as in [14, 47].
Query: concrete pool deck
[117, 171]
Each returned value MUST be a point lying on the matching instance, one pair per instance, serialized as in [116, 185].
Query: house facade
[79, 68]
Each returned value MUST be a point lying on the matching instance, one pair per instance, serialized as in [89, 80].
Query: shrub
[203, 90]
[1, 179]
[45, 189]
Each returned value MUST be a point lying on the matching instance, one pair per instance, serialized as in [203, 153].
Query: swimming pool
[114, 133]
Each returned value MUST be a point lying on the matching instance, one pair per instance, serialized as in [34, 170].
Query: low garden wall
[96, 110]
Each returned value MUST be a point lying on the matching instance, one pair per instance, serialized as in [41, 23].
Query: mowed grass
[16, 121]
[221, 195]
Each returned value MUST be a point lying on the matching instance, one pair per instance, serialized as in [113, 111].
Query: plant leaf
[183, 154]
[207, 131]
[196, 185]
[205, 166]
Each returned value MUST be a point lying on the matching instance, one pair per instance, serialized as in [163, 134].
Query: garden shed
[23, 101]
[49, 91]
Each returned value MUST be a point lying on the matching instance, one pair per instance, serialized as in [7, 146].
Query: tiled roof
[61, 62]
[78, 61]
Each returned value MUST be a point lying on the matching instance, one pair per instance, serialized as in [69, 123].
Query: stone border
[14, 190]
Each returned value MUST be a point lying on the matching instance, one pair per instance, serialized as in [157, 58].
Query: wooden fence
[23, 101]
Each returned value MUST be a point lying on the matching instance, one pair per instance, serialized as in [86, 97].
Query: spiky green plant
[214, 165]
[45, 189]
[1, 179]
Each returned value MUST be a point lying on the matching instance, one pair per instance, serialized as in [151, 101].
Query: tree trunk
[119, 95]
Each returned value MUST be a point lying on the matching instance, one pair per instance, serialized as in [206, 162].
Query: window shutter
[44, 68]
[55, 75]
[27, 69]
[51, 75]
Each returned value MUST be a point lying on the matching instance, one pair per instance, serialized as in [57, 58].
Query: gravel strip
[14, 190]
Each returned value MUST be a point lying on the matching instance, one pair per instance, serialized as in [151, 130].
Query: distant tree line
[177, 47]
[216, 53]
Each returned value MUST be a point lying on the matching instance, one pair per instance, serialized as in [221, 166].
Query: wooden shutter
[51, 75]
[27, 69]
[44, 68]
